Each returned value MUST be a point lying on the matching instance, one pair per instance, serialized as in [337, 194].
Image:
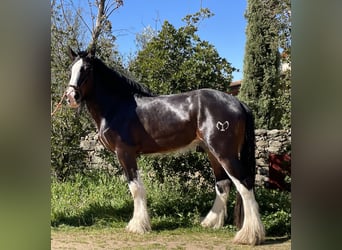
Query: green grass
[106, 201]
[87, 201]
[103, 201]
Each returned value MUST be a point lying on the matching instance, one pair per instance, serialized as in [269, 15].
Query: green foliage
[262, 88]
[68, 126]
[275, 208]
[177, 60]
[184, 166]
[284, 24]
[67, 158]
[285, 99]
[179, 185]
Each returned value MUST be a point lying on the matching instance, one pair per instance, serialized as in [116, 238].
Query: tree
[67, 127]
[177, 60]
[66, 156]
[262, 89]
[145, 37]
[284, 22]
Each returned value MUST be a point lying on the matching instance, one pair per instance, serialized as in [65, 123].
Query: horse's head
[80, 79]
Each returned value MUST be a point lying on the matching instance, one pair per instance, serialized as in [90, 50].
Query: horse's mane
[117, 82]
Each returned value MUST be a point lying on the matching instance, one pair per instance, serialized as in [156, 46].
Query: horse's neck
[104, 105]
[95, 112]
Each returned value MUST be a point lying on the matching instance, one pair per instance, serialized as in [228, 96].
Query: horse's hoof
[138, 227]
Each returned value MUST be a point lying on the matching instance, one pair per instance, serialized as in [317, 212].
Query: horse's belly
[172, 148]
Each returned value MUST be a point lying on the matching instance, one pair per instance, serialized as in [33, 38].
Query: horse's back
[219, 105]
[191, 106]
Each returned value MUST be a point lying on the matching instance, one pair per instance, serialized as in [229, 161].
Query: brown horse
[132, 121]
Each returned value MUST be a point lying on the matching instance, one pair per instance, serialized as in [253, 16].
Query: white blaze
[75, 73]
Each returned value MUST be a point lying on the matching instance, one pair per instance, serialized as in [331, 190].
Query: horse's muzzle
[73, 97]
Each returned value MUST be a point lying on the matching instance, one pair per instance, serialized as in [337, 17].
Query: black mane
[117, 82]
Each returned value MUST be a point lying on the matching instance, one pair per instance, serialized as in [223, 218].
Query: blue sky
[225, 30]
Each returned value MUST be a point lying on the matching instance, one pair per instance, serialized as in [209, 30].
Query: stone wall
[268, 142]
[277, 142]
[95, 150]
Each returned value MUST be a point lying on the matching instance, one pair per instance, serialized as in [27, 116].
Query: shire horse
[132, 121]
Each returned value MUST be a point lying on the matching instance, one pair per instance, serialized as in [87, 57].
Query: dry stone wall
[95, 149]
[267, 142]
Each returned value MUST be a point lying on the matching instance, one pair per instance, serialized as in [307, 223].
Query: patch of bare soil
[107, 239]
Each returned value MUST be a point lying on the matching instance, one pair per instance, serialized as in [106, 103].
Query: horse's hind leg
[140, 222]
[217, 214]
[252, 231]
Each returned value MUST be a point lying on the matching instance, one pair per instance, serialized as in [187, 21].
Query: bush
[184, 166]
[275, 208]
[67, 158]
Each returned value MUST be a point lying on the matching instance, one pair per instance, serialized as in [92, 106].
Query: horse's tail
[247, 157]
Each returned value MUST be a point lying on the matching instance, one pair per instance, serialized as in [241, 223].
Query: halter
[78, 90]
[58, 105]
[75, 87]
[62, 98]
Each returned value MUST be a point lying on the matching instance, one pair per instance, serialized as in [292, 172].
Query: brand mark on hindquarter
[222, 126]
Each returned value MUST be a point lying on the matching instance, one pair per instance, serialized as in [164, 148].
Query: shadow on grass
[276, 240]
[96, 213]
[164, 224]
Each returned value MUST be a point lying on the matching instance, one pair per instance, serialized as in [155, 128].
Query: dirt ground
[107, 239]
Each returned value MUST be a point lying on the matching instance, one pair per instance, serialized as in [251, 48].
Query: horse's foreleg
[140, 222]
[217, 214]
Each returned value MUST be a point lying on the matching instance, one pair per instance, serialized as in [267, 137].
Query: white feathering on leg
[140, 223]
[252, 231]
[217, 214]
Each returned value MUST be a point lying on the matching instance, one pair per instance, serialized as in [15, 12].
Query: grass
[95, 210]
[105, 200]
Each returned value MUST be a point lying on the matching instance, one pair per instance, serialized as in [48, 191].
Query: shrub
[67, 158]
[275, 208]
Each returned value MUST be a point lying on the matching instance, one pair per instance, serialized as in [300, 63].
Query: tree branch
[119, 3]
[103, 13]
[77, 11]
[98, 24]
[68, 23]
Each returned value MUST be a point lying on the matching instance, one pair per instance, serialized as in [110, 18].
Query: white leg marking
[140, 223]
[217, 214]
[252, 231]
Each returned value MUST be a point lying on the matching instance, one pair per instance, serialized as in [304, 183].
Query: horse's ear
[71, 54]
